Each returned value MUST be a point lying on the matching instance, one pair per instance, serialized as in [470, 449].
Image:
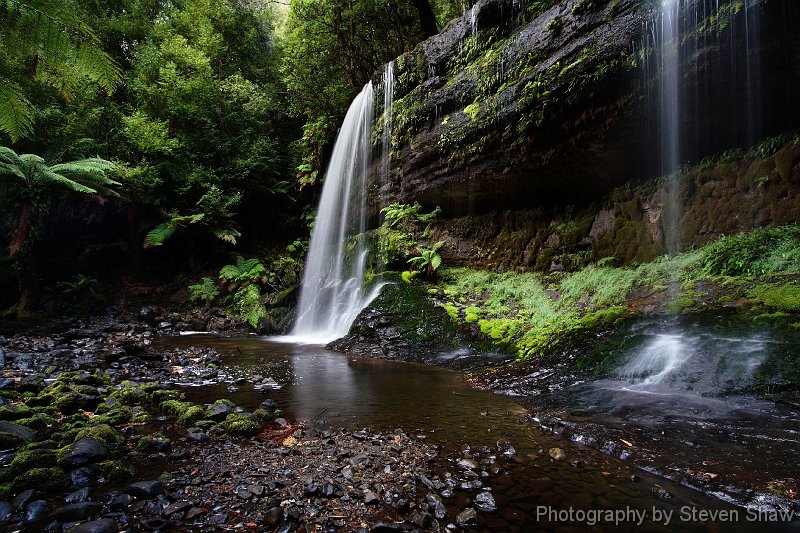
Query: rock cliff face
[516, 107]
[723, 196]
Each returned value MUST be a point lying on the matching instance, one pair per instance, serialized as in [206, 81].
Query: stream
[328, 389]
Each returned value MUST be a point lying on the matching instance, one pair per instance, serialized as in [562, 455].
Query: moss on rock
[43, 479]
[237, 424]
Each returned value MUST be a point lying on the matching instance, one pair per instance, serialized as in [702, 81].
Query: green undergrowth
[529, 313]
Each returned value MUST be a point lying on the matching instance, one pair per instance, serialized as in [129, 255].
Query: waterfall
[669, 111]
[333, 292]
[680, 29]
[473, 20]
[388, 100]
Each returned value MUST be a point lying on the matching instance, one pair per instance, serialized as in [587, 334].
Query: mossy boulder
[43, 479]
[101, 432]
[29, 459]
[115, 471]
[240, 424]
[114, 417]
[14, 412]
[13, 435]
[72, 402]
[186, 412]
[38, 422]
[153, 444]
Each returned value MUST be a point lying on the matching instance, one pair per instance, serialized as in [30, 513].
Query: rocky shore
[97, 435]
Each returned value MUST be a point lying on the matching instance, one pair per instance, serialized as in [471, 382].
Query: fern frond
[16, 112]
[46, 175]
[67, 53]
[228, 235]
[158, 235]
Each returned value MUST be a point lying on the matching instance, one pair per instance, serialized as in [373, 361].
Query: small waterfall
[473, 20]
[678, 32]
[388, 100]
[333, 292]
[667, 44]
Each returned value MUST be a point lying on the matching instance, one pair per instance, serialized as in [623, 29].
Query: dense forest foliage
[217, 118]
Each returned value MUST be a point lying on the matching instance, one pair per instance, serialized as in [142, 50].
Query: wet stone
[85, 451]
[104, 525]
[23, 498]
[80, 477]
[80, 495]
[485, 502]
[176, 507]
[145, 489]
[6, 512]
[466, 517]
[36, 511]
[77, 511]
[467, 464]
[119, 502]
[557, 454]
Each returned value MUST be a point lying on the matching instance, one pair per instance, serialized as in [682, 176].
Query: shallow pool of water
[331, 389]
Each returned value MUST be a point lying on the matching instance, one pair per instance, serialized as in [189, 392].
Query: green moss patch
[43, 479]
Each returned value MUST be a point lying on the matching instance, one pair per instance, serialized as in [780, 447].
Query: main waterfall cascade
[334, 289]
[333, 292]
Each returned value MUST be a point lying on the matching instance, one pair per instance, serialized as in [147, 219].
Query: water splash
[333, 292]
[678, 360]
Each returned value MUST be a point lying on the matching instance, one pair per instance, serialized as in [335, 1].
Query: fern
[205, 291]
[65, 50]
[31, 179]
[158, 235]
[16, 112]
[243, 270]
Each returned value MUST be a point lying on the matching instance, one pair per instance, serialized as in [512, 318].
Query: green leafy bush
[247, 304]
[761, 251]
[404, 225]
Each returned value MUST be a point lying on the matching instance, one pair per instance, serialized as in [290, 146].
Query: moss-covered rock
[9, 440]
[43, 479]
[114, 417]
[28, 459]
[240, 424]
[186, 412]
[14, 412]
[116, 471]
[38, 422]
[101, 432]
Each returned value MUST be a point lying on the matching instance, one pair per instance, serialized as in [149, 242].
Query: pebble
[485, 502]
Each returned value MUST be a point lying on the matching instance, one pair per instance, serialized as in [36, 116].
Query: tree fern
[29, 181]
[16, 112]
[64, 52]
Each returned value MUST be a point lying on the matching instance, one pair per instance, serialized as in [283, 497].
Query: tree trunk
[134, 241]
[23, 225]
[427, 19]
[28, 279]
